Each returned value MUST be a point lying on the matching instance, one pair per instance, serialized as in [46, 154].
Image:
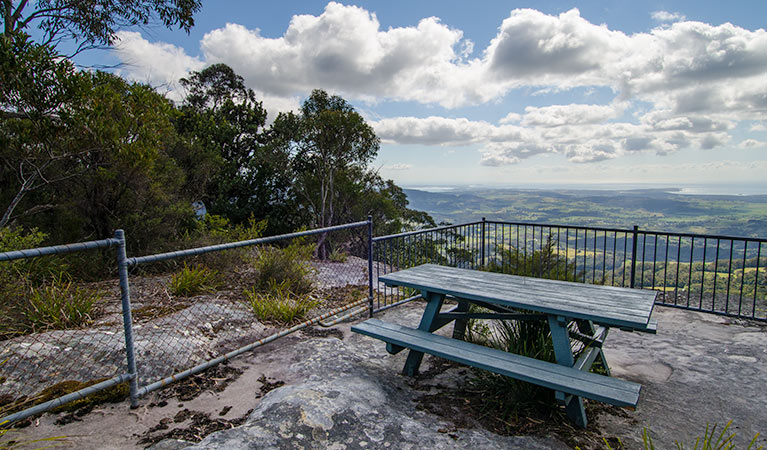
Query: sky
[501, 93]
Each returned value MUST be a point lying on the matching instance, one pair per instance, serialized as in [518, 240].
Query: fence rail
[716, 274]
[184, 339]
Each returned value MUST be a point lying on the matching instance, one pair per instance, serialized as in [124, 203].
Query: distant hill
[650, 209]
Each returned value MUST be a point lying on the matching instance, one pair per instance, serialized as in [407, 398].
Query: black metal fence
[716, 274]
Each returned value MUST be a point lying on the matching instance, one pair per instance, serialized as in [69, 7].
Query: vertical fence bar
[585, 251]
[654, 257]
[703, 274]
[729, 276]
[678, 263]
[689, 276]
[370, 263]
[716, 274]
[615, 249]
[756, 277]
[594, 260]
[567, 252]
[122, 269]
[665, 270]
[634, 255]
[742, 276]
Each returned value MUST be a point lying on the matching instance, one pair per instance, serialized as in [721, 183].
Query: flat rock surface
[335, 389]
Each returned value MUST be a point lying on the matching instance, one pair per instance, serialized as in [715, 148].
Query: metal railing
[724, 275]
[176, 339]
[715, 274]
[22, 358]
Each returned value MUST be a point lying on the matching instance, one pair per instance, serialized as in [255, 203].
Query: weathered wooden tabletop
[607, 305]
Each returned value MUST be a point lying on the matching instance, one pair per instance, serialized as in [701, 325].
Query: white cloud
[158, 64]
[665, 16]
[398, 167]
[695, 81]
[752, 143]
[573, 114]
[511, 118]
[581, 140]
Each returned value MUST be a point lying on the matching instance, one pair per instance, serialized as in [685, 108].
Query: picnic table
[584, 312]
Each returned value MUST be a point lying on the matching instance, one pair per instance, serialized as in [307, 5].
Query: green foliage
[193, 280]
[28, 270]
[278, 303]
[246, 171]
[36, 148]
[328, 139]
[542, 263]
[503, 396]
[213, 229]
[288, 267]
[13, 444]
[59, 305]
[711, 440]
[338, 256]
[94, 25]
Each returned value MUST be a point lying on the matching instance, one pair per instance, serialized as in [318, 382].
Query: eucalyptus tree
[246, 171]
[330, 138]
[92, 23]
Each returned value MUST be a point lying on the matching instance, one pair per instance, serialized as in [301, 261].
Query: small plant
[14, 444]
[59, 305]
[279, 304]
[338, 256]
[193, 281]
[508, 397]
[709, 441]
[287, 267]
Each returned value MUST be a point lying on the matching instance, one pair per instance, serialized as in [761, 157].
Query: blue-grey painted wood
[606, 305]
[554, 376]
[428, 324]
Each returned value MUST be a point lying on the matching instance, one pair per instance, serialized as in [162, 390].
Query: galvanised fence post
[634, 254]
[370, 264]
[482, 249]
[122, 268]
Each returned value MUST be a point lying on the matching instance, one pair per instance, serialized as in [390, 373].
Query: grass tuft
[279, 304]
[194, 280]
[338, 256]
[288, 267]
[59, 305]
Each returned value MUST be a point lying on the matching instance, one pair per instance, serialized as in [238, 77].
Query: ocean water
[687, 189]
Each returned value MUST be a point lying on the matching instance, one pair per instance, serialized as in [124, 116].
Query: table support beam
[428, 323]
[561, 339]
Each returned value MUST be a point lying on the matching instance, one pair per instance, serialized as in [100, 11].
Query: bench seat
[554, 376]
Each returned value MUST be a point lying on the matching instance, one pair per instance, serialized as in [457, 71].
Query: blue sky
[501, 93]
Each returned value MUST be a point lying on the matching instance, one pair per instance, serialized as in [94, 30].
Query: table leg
[433, 306]
[561, 340]
[459, 329]
[587, 327]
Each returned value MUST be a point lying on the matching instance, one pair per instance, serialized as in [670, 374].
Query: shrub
[287, 267]
[338, 256]
[31, 269]
[214, 230]
[507, 397]
[59, 305]
[193, 281]
[279, 304]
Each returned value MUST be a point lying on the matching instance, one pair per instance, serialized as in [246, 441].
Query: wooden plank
[608, 305]
[566, 379]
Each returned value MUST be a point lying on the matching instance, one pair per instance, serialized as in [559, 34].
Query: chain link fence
[147, 332]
